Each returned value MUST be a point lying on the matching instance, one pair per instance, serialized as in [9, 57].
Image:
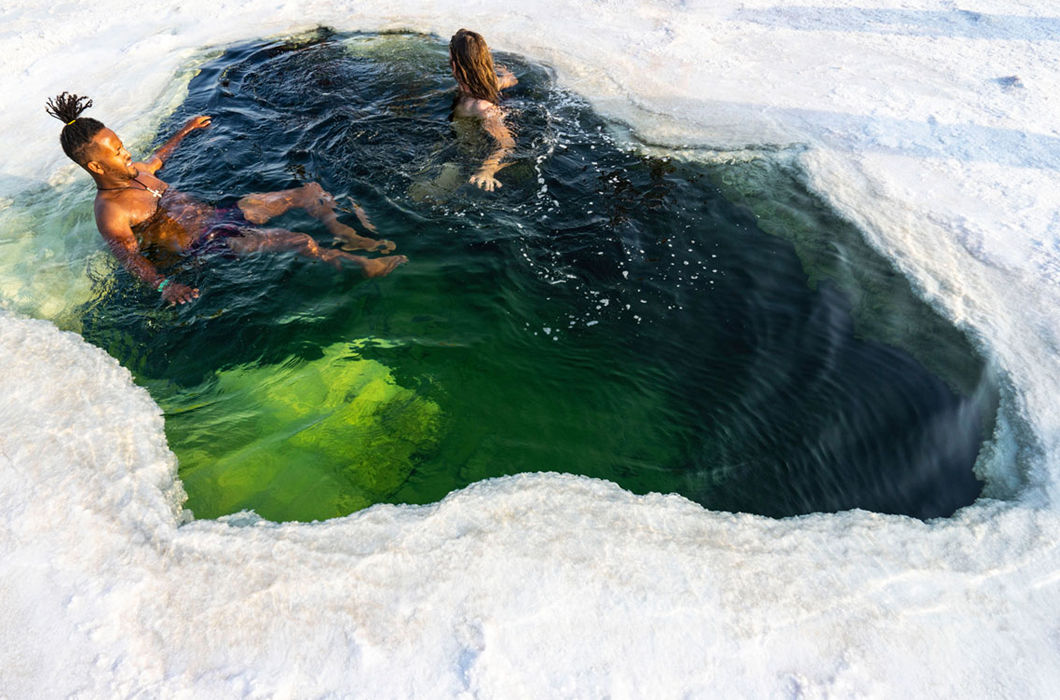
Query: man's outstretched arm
[155, 162]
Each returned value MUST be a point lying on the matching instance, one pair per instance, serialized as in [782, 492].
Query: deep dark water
[604, 313]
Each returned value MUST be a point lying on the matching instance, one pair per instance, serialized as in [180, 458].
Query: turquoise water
[605, 313]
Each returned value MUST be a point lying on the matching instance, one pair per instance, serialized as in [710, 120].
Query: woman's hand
[485, 180]
[505, 78]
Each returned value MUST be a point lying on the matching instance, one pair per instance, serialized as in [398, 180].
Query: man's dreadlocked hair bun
[78, 131]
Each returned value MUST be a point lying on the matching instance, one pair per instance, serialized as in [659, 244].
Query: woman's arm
[493, 123]
[505, 78]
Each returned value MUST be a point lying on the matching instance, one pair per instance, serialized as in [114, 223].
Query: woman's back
[479, 85]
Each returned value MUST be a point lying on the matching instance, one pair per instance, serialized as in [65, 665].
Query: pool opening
[605, 313]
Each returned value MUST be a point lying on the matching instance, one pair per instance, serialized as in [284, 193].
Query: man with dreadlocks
[478, 97]
[137, 212]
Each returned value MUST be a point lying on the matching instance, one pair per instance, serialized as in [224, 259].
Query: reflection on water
[604, 313]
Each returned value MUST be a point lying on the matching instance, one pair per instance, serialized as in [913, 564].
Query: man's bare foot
[362, 216]
[321, 205]
[373, 267]
[355, 242]
[377, 267]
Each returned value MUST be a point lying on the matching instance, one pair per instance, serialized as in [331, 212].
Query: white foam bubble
[899, 113]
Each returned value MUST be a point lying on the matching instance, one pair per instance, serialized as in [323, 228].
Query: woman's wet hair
[473, 65]
[78, 131]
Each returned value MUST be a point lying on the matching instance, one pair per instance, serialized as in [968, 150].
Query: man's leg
[278, 239]
[259, 208]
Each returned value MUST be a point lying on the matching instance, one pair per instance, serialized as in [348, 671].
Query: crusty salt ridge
[903, 115]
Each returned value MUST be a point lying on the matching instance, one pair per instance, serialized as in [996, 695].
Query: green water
[605, 313]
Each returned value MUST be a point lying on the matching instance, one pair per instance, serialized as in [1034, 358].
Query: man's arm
[493, 123]
[155, 162]
[120, 239]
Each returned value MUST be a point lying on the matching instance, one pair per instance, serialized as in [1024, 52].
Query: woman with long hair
[479, 84]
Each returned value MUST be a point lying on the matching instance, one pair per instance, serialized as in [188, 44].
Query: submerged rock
[352, 429]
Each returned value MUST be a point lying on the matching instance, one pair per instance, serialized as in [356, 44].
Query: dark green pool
[605, 313]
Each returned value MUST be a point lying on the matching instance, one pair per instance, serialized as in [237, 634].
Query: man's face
[107, 156]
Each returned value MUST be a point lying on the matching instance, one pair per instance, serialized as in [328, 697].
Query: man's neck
[113, 181]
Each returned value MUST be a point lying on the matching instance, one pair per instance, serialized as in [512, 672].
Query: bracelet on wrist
[162, 284]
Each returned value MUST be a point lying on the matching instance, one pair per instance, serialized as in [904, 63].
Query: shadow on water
[604, 313]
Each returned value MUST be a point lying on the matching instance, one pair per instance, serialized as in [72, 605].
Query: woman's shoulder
[473, 107]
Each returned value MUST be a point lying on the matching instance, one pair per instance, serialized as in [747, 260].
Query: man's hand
[177, 293]
[155, 162]
[200, 122]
